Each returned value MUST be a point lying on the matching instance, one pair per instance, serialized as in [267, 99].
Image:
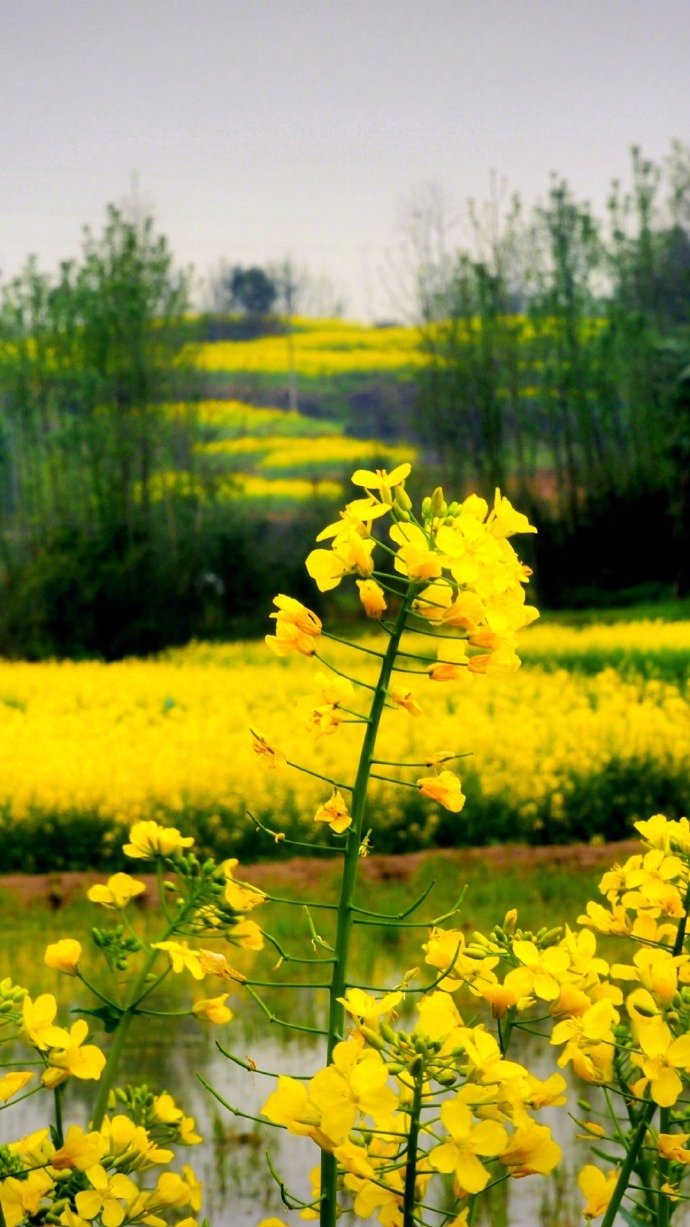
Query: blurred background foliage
[163, 472]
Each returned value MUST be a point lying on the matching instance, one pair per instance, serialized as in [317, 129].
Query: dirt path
[56, 889]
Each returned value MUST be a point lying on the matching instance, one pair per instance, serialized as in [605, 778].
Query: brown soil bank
[56, 889]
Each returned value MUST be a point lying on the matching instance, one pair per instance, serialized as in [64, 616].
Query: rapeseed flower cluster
[392, 1108]
[89, 1178]
[465, 585]
[476, 1105]
[471, 1111]
[106, 1173]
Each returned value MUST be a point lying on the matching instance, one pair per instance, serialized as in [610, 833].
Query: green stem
[339, 673]
[136, 995]
[629, 1164]
[412, 1145]
[300, 902]
[281, 1022]
[390, 779]
[336, 1013]
[663, 1202]
[113, 1062]
[505, 1032]
[318, 776]
[60, 1136]
[351, 644]
[279, 837]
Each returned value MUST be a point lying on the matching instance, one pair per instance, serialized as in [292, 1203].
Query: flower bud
[552, 936]
[645, 1011]
[446, 1077]
[438, 503]
[403, 502]
[372, 1037]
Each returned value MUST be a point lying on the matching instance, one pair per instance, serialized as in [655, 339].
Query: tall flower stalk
[351, 859]
[454, 575]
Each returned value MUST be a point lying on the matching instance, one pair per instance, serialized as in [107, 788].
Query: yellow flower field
[169, 738]
[334, 451]
[325, 347]
[642, 637]
[236, 419]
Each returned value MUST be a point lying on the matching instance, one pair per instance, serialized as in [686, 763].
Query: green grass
[544, 892]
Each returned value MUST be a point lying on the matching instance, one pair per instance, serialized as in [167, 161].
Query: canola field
[272, 456]
[321, 347]
[553, 754]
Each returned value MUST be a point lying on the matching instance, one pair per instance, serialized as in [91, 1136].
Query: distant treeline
[558, 366]
[98, 555]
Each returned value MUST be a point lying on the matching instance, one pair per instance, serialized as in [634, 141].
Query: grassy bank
[540, 882]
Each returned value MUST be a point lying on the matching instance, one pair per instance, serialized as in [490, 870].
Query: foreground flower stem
[629, 1165]
[127, 1013]
[648, 1111]
[409, 1217]
[112, 1064]
[664, 1203]
[336, 1013]
[57, 1094]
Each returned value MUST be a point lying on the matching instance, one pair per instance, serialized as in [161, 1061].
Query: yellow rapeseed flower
[467, 1141]
[213, 1009]
[531, 1149]
[597, 1187]
[296, 628]
[118, 891]
[13, 1082]
[147, 840]
[80, 1150]
[38, 1023]
[181, 957]
[372, 597]
[335, 813]
[661, 1057]
[63, 955]
[74, 1058]
[444, 788]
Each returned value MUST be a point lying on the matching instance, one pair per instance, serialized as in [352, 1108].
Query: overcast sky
[265, 129]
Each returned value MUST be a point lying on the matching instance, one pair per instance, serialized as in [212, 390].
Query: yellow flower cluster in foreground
[163, 737]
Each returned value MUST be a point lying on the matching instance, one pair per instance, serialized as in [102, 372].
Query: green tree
[251, 290]
[90, 363]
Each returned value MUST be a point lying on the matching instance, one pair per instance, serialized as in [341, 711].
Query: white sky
[266, 129]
